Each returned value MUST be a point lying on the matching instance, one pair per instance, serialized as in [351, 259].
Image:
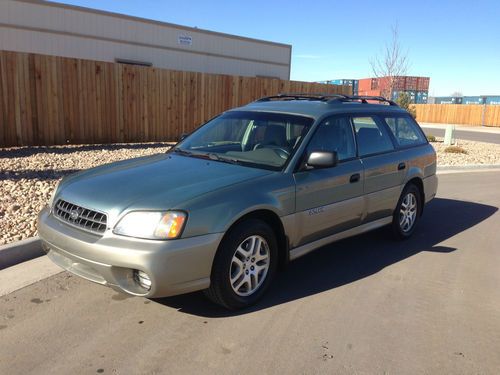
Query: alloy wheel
[408, 212]
[249, 265]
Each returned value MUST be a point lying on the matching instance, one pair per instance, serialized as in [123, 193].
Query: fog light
[142, 279]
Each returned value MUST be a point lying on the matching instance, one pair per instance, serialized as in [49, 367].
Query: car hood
[159, 182]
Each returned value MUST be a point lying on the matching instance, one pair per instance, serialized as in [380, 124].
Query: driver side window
[334, 134]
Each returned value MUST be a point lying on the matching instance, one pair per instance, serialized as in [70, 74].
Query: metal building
[57, 29]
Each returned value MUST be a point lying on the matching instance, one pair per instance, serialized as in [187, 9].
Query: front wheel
[407, 212]
[244, 265]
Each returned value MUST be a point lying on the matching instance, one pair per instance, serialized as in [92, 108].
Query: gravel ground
[477, 153]
[28, 174]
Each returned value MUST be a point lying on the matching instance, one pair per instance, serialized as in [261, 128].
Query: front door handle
[354, 178]
[401, 166]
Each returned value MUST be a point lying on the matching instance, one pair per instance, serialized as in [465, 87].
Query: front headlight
[151, 225]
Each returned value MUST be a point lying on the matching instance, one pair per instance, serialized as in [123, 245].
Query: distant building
[63, 30]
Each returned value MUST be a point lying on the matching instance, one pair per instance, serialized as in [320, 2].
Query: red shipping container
[399, 83]
[365, 84]
[423, 83]
[411, 83]
[369, 93]
[382, 84]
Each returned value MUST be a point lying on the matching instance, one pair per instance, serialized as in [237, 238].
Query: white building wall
[62, 30]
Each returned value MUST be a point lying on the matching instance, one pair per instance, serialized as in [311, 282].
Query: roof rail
[302, 96]
[329, 98]
[363, 99]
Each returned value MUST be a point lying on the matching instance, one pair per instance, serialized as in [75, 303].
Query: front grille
[80, 217]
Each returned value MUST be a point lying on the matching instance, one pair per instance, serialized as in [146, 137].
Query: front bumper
[174, 266]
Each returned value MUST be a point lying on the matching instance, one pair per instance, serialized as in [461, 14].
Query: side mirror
[183, 136]
[322, 159]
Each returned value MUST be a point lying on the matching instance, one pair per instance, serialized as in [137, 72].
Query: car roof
[317, 108]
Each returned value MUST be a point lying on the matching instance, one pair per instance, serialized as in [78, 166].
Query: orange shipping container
[365, 84]
[369, 92]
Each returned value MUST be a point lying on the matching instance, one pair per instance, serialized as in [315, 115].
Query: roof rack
[329, 98]
[302, 96]
[364, 99]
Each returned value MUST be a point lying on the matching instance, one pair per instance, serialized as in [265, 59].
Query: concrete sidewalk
[477, 128]
[26, 273]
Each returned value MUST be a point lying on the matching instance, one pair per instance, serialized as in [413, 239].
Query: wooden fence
[47, 100]
[469, 114]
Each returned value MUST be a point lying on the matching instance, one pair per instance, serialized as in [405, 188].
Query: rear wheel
[407, 212]
[244, 265]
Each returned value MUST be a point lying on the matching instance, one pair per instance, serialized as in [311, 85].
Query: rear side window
[405, 130]
[372, 136]
[334, 134]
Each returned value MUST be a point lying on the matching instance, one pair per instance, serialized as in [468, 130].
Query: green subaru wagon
[249, 191]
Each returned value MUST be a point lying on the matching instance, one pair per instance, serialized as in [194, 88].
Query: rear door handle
[354, 178]
[401, 166]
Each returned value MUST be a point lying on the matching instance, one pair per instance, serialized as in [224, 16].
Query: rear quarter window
[405, 130]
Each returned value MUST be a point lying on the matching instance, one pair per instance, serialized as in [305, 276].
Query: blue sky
[456, 43]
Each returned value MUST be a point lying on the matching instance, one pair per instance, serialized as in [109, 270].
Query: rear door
[329, 200]
[383, 170]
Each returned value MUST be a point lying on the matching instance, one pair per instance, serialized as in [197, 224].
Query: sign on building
[185, 40]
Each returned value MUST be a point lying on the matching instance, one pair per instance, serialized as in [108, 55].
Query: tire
[407, 212]
[241, 272]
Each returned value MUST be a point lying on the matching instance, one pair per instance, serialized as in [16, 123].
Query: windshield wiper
[182, 152]
[223, 159]
[210, 155]
[199, 155]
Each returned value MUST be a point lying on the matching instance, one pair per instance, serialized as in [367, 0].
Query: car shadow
[349, 260]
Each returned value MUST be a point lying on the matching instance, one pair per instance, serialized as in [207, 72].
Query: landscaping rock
[477, 153]
[28, 176]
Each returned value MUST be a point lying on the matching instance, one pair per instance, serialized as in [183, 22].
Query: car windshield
[256, 139]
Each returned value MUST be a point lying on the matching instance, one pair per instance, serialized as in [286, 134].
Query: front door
[329, 200]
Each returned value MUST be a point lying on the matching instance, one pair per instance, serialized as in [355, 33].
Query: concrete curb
[461, 127]
[19, 252]
[26, 273]
[468, 168]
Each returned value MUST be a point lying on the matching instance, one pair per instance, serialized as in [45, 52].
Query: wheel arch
[417, 181]
[274, 221]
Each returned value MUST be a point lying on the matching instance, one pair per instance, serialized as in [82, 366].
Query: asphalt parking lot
[363, 305]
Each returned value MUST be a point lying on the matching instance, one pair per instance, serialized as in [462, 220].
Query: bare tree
[456, 93]
[391, 65]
